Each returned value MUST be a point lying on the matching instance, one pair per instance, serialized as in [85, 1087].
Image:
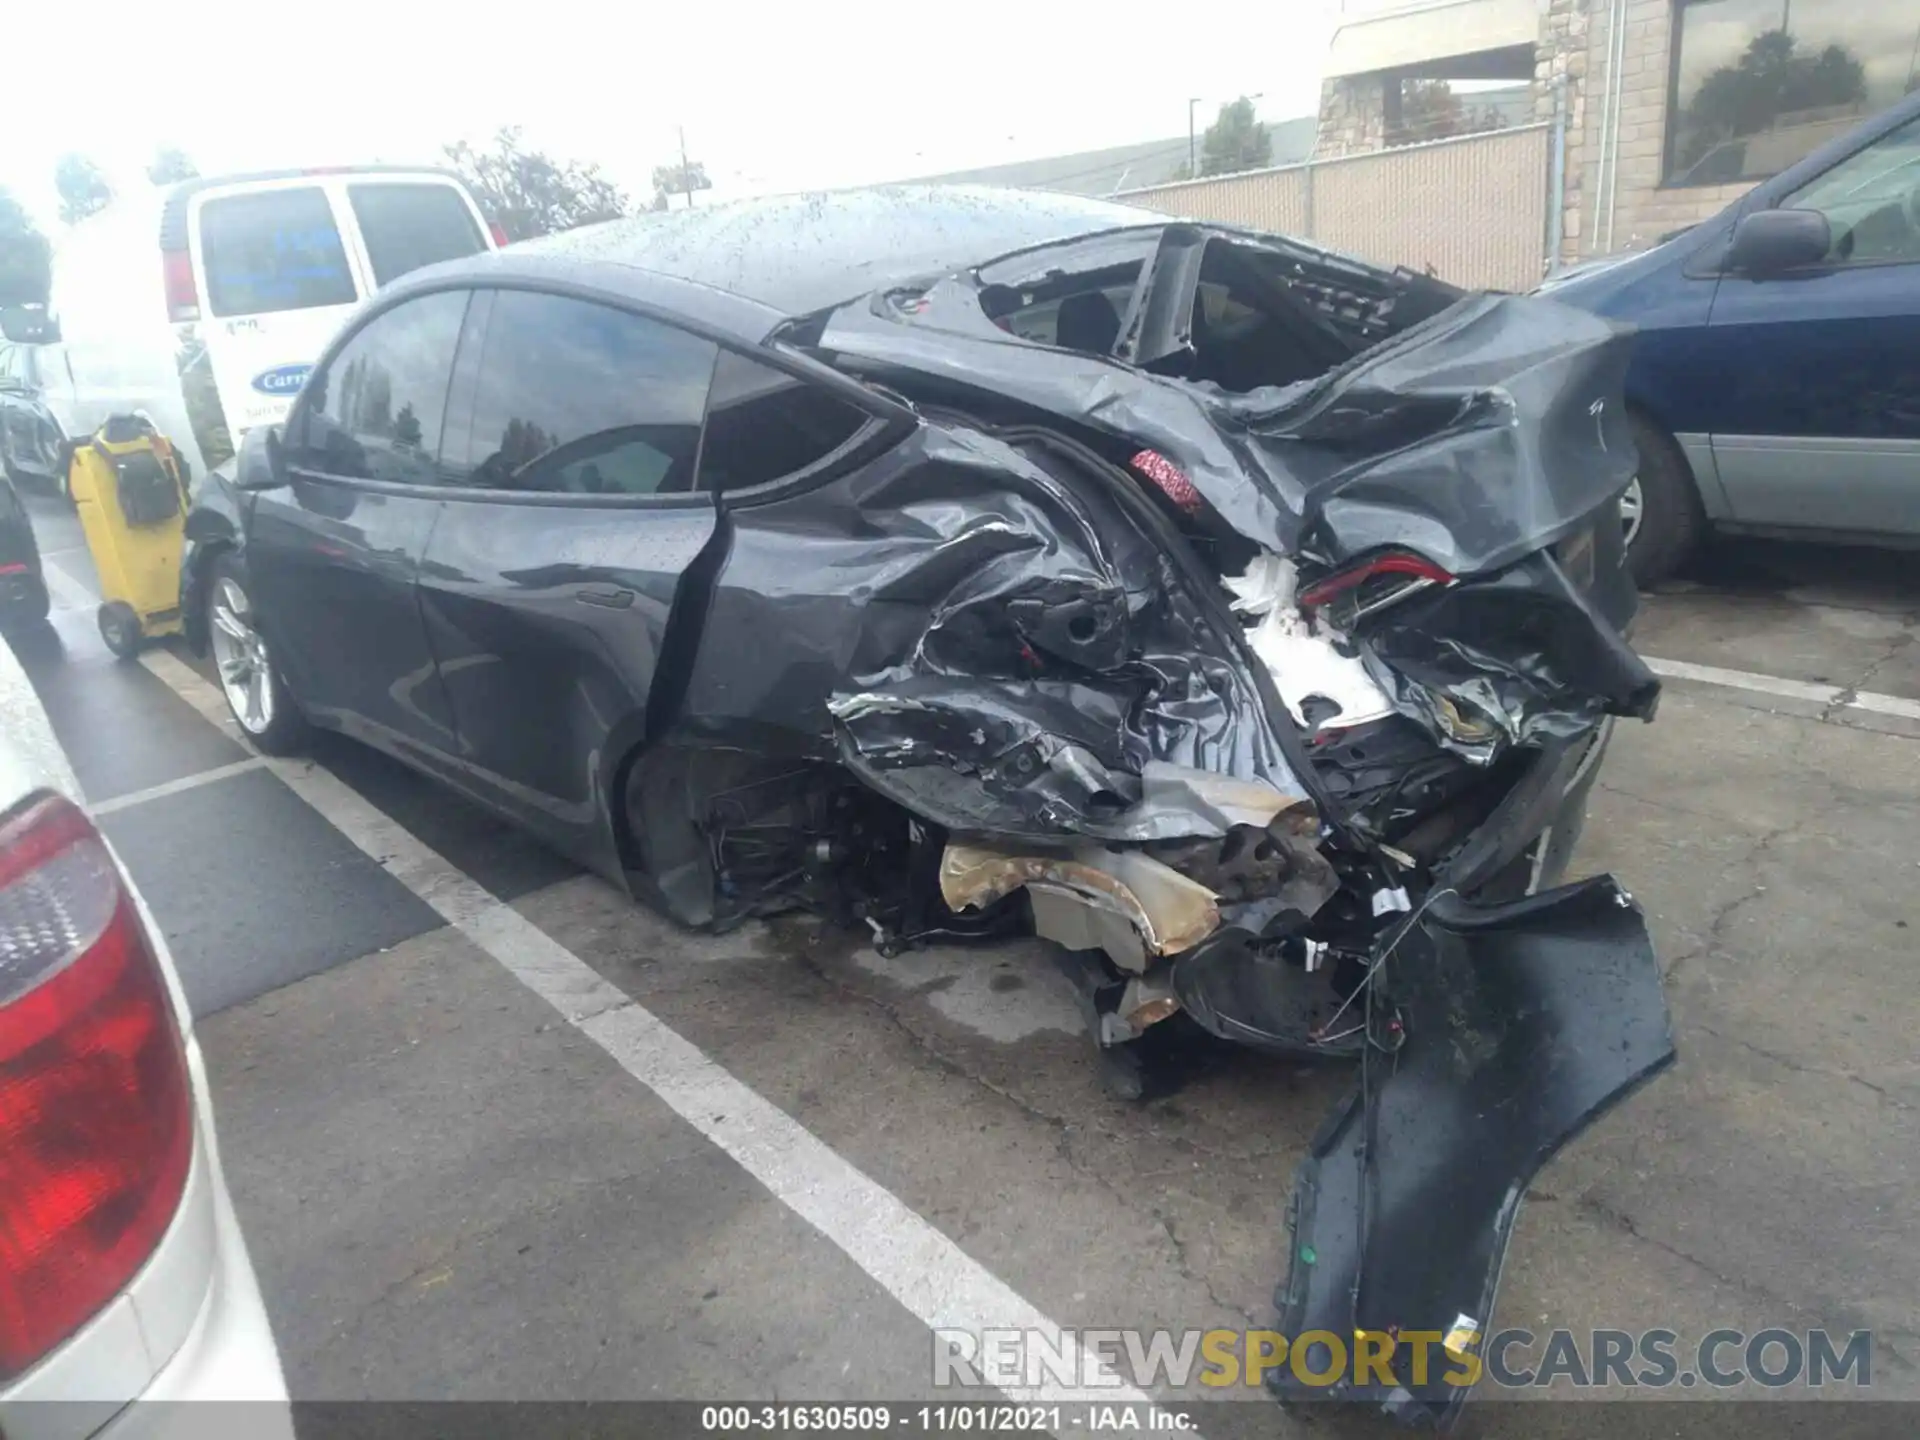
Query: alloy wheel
[240, 652]
[1632, 511]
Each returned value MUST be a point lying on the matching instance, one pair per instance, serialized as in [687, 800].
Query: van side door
[277, 280]
[1816, 415]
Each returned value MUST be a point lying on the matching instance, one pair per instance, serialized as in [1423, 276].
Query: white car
[123, 1274]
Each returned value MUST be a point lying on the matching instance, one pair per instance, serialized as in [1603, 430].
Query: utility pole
[686, 171]
[1193, 163]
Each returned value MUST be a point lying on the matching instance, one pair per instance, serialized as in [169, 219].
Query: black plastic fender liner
[1524, 1023]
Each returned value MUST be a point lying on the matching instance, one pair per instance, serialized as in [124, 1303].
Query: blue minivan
[1775, 384]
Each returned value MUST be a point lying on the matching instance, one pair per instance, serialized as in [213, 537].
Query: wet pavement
[451, 1191]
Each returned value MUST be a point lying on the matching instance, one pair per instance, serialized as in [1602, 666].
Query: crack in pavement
[1788, 1062]
[1184, 1268]
[1063, 1127]
[1724, 913]
[1597, 1209]
[1849, 693]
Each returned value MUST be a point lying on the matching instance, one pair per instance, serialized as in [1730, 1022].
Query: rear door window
[376, 412]
[406, 226]
[577, 398]
[763, 423]
[273, 250]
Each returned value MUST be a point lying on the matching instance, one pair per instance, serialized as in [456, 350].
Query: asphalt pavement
[495, 1131]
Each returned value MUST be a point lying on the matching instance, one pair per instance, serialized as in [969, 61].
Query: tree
[682, 179]
[1235, 141]
[25, 256]
[1429, 110]
[406, 427]
[1767, 83]
[83, 189]
[1433, 110]
[170, 165]
[527, 193]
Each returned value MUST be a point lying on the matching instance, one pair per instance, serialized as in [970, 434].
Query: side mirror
[28, 325]
[1771, 242]
[261, 463]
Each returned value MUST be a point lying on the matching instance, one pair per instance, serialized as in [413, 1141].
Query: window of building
[1757, 84]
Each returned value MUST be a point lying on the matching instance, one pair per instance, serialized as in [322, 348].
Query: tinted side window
[274, 250]
[763, 423]
[376, 412]
[581, 399]
[1868, 200]
[407, 226]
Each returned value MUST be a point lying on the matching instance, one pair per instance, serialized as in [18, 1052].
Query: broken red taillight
[96, 1110]
[1415, 572]
[1169, 479]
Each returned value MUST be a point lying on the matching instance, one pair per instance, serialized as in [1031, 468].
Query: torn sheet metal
[1163, 911]
[1523, 1024]
[1019, 658]
[1522, 657]
[1475, 437]
[1305, 666]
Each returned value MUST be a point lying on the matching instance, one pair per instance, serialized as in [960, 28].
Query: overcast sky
[772, 97]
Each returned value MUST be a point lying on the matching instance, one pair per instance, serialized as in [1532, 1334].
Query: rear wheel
[255, 693]
[29, 608]
[120, 628]
[1660, 511]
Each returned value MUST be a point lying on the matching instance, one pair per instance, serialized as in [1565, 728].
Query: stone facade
[1353, 117]
[1577, 42]
[1573, 58]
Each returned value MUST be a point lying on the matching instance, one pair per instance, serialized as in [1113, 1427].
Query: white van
[205, 304]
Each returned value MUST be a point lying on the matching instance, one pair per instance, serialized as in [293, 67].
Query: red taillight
[183, 296]
[499, 235]
[96, 1112]
[1169, 479]
[1398, 562]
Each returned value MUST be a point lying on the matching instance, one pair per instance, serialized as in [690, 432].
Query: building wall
[1574, 56]
[1577, 43]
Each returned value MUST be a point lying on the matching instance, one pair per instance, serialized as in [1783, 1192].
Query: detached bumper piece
[1524, 1023]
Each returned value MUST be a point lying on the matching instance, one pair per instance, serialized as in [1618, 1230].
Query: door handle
[610, 596]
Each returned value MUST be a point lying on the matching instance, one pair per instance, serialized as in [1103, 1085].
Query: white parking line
[68, 592]
[919, 1266]
[1787, 689]
[175, 787]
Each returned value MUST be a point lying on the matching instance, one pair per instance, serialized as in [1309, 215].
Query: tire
[31, 612]
[257, 696]
[1671, 522]
[120, 628]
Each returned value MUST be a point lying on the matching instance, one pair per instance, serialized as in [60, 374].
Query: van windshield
[406, 226]
[273, 250]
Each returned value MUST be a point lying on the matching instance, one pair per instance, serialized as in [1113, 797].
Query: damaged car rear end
[1245, 619]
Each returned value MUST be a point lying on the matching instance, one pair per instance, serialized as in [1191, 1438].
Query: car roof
[796, 254]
